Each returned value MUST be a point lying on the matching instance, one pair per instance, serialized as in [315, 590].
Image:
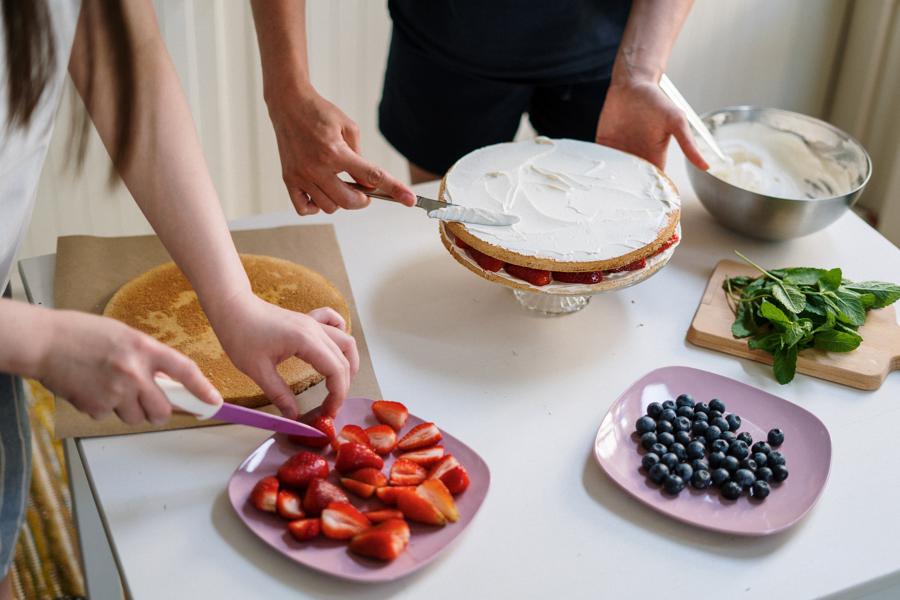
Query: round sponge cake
[162, 304]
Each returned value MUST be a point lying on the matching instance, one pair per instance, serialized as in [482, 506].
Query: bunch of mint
[785, 311]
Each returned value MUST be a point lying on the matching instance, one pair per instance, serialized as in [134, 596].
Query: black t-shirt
[515, 40]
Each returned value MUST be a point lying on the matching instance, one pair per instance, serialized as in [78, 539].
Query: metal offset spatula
[183, 400]
[447, 211]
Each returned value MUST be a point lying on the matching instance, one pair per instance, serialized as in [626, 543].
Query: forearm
[281, 35]
[650, 34]
[23, 337]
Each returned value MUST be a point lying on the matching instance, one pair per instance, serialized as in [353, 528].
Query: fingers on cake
[591, 218]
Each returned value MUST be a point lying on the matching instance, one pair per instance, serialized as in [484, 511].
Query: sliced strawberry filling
[584, 278]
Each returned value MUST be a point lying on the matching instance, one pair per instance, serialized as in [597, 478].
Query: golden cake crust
[162, 304]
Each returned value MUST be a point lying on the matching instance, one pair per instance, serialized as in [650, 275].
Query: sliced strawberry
[488, 263]
[425, 457]
[437, 493]
[322, 423]
[388, 495]
[301, 468]
[635, 266]
[537, 277]
[384, 542]
[353, 456]
[406, 472]
[363, 490]
[373, 477]
[451, 473]
[320, 494]
[671, 242]
[305, 529]
[265, 494]
[341, 521]
[587, 278]
[382, 438]
[461, 244]
[352, 433]
[378, 516]
[289, 505]
[390, 413]
[416, 508]
[420, 436]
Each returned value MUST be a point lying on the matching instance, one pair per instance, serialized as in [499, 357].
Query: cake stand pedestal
[550, 304]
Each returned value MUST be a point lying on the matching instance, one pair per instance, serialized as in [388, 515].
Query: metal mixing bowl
[769, 217]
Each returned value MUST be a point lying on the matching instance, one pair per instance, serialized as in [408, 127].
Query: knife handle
[369, 191]
[182, 399]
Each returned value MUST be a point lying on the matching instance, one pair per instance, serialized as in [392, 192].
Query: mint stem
[753, 264]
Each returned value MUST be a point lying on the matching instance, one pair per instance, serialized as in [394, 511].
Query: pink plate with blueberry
[751, 488]
[332, 557]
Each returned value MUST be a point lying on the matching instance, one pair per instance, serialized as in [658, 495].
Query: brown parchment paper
[90, 269]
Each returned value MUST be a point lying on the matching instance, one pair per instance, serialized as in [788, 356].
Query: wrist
[632, 67]
[224, 308]
[287, 88]
[24, 322]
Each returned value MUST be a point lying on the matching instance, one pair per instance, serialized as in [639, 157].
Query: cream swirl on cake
[577, 202]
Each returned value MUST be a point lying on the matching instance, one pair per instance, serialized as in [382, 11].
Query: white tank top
[22, 151]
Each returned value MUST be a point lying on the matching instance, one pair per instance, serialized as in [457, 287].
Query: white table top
[528, 393]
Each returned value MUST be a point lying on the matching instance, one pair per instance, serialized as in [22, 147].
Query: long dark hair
[31, 59]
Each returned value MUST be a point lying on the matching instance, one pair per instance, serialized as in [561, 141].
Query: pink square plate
[331, 556]
[807, 448]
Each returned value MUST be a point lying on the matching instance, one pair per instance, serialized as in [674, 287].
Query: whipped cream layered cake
[589, 215]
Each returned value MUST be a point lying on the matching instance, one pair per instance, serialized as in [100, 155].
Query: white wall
[764, 52]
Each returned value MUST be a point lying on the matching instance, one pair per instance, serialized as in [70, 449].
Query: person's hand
[638, 118]
[258, 336]
[103, 366]
[316, 142]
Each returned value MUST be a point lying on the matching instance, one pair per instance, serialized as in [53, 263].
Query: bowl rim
[835, 129]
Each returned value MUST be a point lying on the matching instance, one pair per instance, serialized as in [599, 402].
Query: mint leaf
[849, 306]
[800, 275]
[789, 296]
[837, 341]
[743, 325]
[885, 293]
[831, 280]
[769, 311]
[785, 365]
[771, 343]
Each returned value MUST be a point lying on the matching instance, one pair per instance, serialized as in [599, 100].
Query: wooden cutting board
[864, 368]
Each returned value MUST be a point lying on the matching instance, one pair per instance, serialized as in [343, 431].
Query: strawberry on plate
[305, 529]
[419, 509]
[320, 494]
[265, 494]
[352, 433]
[373, 477]
[437, 493]
[383, 514]
[363, 490]
[352, 456]
[425, 457]
[451, 473]
[420, 436]
[389, 494]
[323, 423]
[384, 541]
[289, 505]
[406, 472]
[390, 413]
[301, 468]
[382, 438]
[342, 520]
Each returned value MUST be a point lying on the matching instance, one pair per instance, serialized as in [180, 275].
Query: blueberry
[658, 473]
[721, 446]
[659, 449]
[760, 490]
[667, 414]
[647, 440]
[745, 437]
[684, 400]
[775, 458]
[716, 404]
[701, 479]
[738, 449]
[734, 422]
[666, 439]
[698, 464]
[695, 450]
[775, 437]
[744, 477]
[699, 427]
[649, 459]
[701, 407]
[654, 409]
[664, 426]
[721, 423]
[685, 411]
[728, 436]
[679, 451]
[673, 484]
[715, 459]
[698, 416]
[761, 447]
[749, 464]
[779, 473]
[719, 477]
[712, 433]
[731, 490]
[730, 463]
[713, 414]
[764, 474]
[645, 424]
[683, 438]
[760, 458]
[669, 459]
[668, 404]
[685, 471]
[682, 424]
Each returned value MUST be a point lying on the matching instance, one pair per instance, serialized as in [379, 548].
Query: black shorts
[434, 115]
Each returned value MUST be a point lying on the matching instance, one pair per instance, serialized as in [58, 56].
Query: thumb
[277, 390]
[685, 139]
